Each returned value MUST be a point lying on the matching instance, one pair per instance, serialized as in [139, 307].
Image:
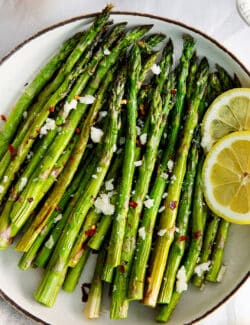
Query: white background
[20, 19]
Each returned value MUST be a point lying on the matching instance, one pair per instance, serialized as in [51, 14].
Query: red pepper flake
[197, 234]
[122, 269]
[173, 91]
[71, 159]
[138, 143]
[31, 137]
[38, 131]
[12, 151]
[173, 205]
[3, 117]
[90, 232]
[84, 246]
[77, 130]
[142, 109]
[58, 209]
[85, 291]
[182, 238]
[52, 109]
[133, 204]
[30, 199]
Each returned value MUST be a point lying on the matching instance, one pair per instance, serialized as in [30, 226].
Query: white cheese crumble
[181, 283]
[203, 267]
[122, 140]
[68, 106]
[119, 216]
[87, 99]
[138, 163]
[106, 52]
[23, 183]
[96, 134]
[50, 124]
[149, 203]
[165, 195]
[50, 242]
[99, 169]
[138, 130]
[5, 179]
[58, 217]
[94, 176]
[162, 208]
[156, 69]
[173, 179]
[143, 138]
[102, 114]
[29, 155]
[25, 114]
[170, 165]
[164, 176]
[109, 185]
[103, 205]
[161, 232]
[1, 188]
[142, 233]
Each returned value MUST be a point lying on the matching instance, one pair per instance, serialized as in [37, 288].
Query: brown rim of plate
[171, 21]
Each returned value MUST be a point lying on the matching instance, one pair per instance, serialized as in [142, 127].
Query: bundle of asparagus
[102, 152]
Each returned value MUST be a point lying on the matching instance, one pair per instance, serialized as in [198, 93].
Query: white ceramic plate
[18, 286]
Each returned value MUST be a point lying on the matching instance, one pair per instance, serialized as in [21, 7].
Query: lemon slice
[226, 178]
[229, 112]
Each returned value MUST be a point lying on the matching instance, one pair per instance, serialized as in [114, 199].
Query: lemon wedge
[226, 178]
[229, 112]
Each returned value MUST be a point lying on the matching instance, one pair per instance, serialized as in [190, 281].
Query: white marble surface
[19, 19]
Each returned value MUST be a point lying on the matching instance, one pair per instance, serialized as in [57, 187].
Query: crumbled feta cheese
[165, 135]
[58, 217]
[68, 106]
[29, 155]
[170, 165]
[50, 242]
[203, 267]
[1, 188]
[143, 138]
[221, 273]
[25, 114]
[162, 208]
[173, 179]
[138, 163]
[102, 114]
[106, 52]
[119, 151]
[138, 130]
[149, 203]
[96, 134]
[5, 179]
[164, 176]
[102, 204]
[109, 185]
[165, 195]
[50, 124]
[87, 99]
[122, 140]
[94, 176]
[161, 232]
[23, 183]
[181, 283]
[119, 216]
[99, 169]
[156, 69]
[142, 233]
[177, 229]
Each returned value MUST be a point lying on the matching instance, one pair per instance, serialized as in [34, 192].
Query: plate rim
[141, 14]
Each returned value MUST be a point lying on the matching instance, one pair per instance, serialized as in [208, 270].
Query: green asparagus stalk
[198, 223]
[218, 252]
[32, 90]
[93, 305]
[168, 217]
[191, 78]
[182, 222]
[136, 286]
[224, 77]
[50, 284]
[118, 228]
[211, 230]
[73, 274]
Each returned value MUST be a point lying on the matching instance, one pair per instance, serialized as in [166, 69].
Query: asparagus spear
[50, 284]
[118, 228]
[182, 222]
[198, 223]
[32, 90]
[136, 285]
[68, 173]
[211, 230]
[168, 217]
[119, 305]
[93, 305]
[218, 252]
[191, 78]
